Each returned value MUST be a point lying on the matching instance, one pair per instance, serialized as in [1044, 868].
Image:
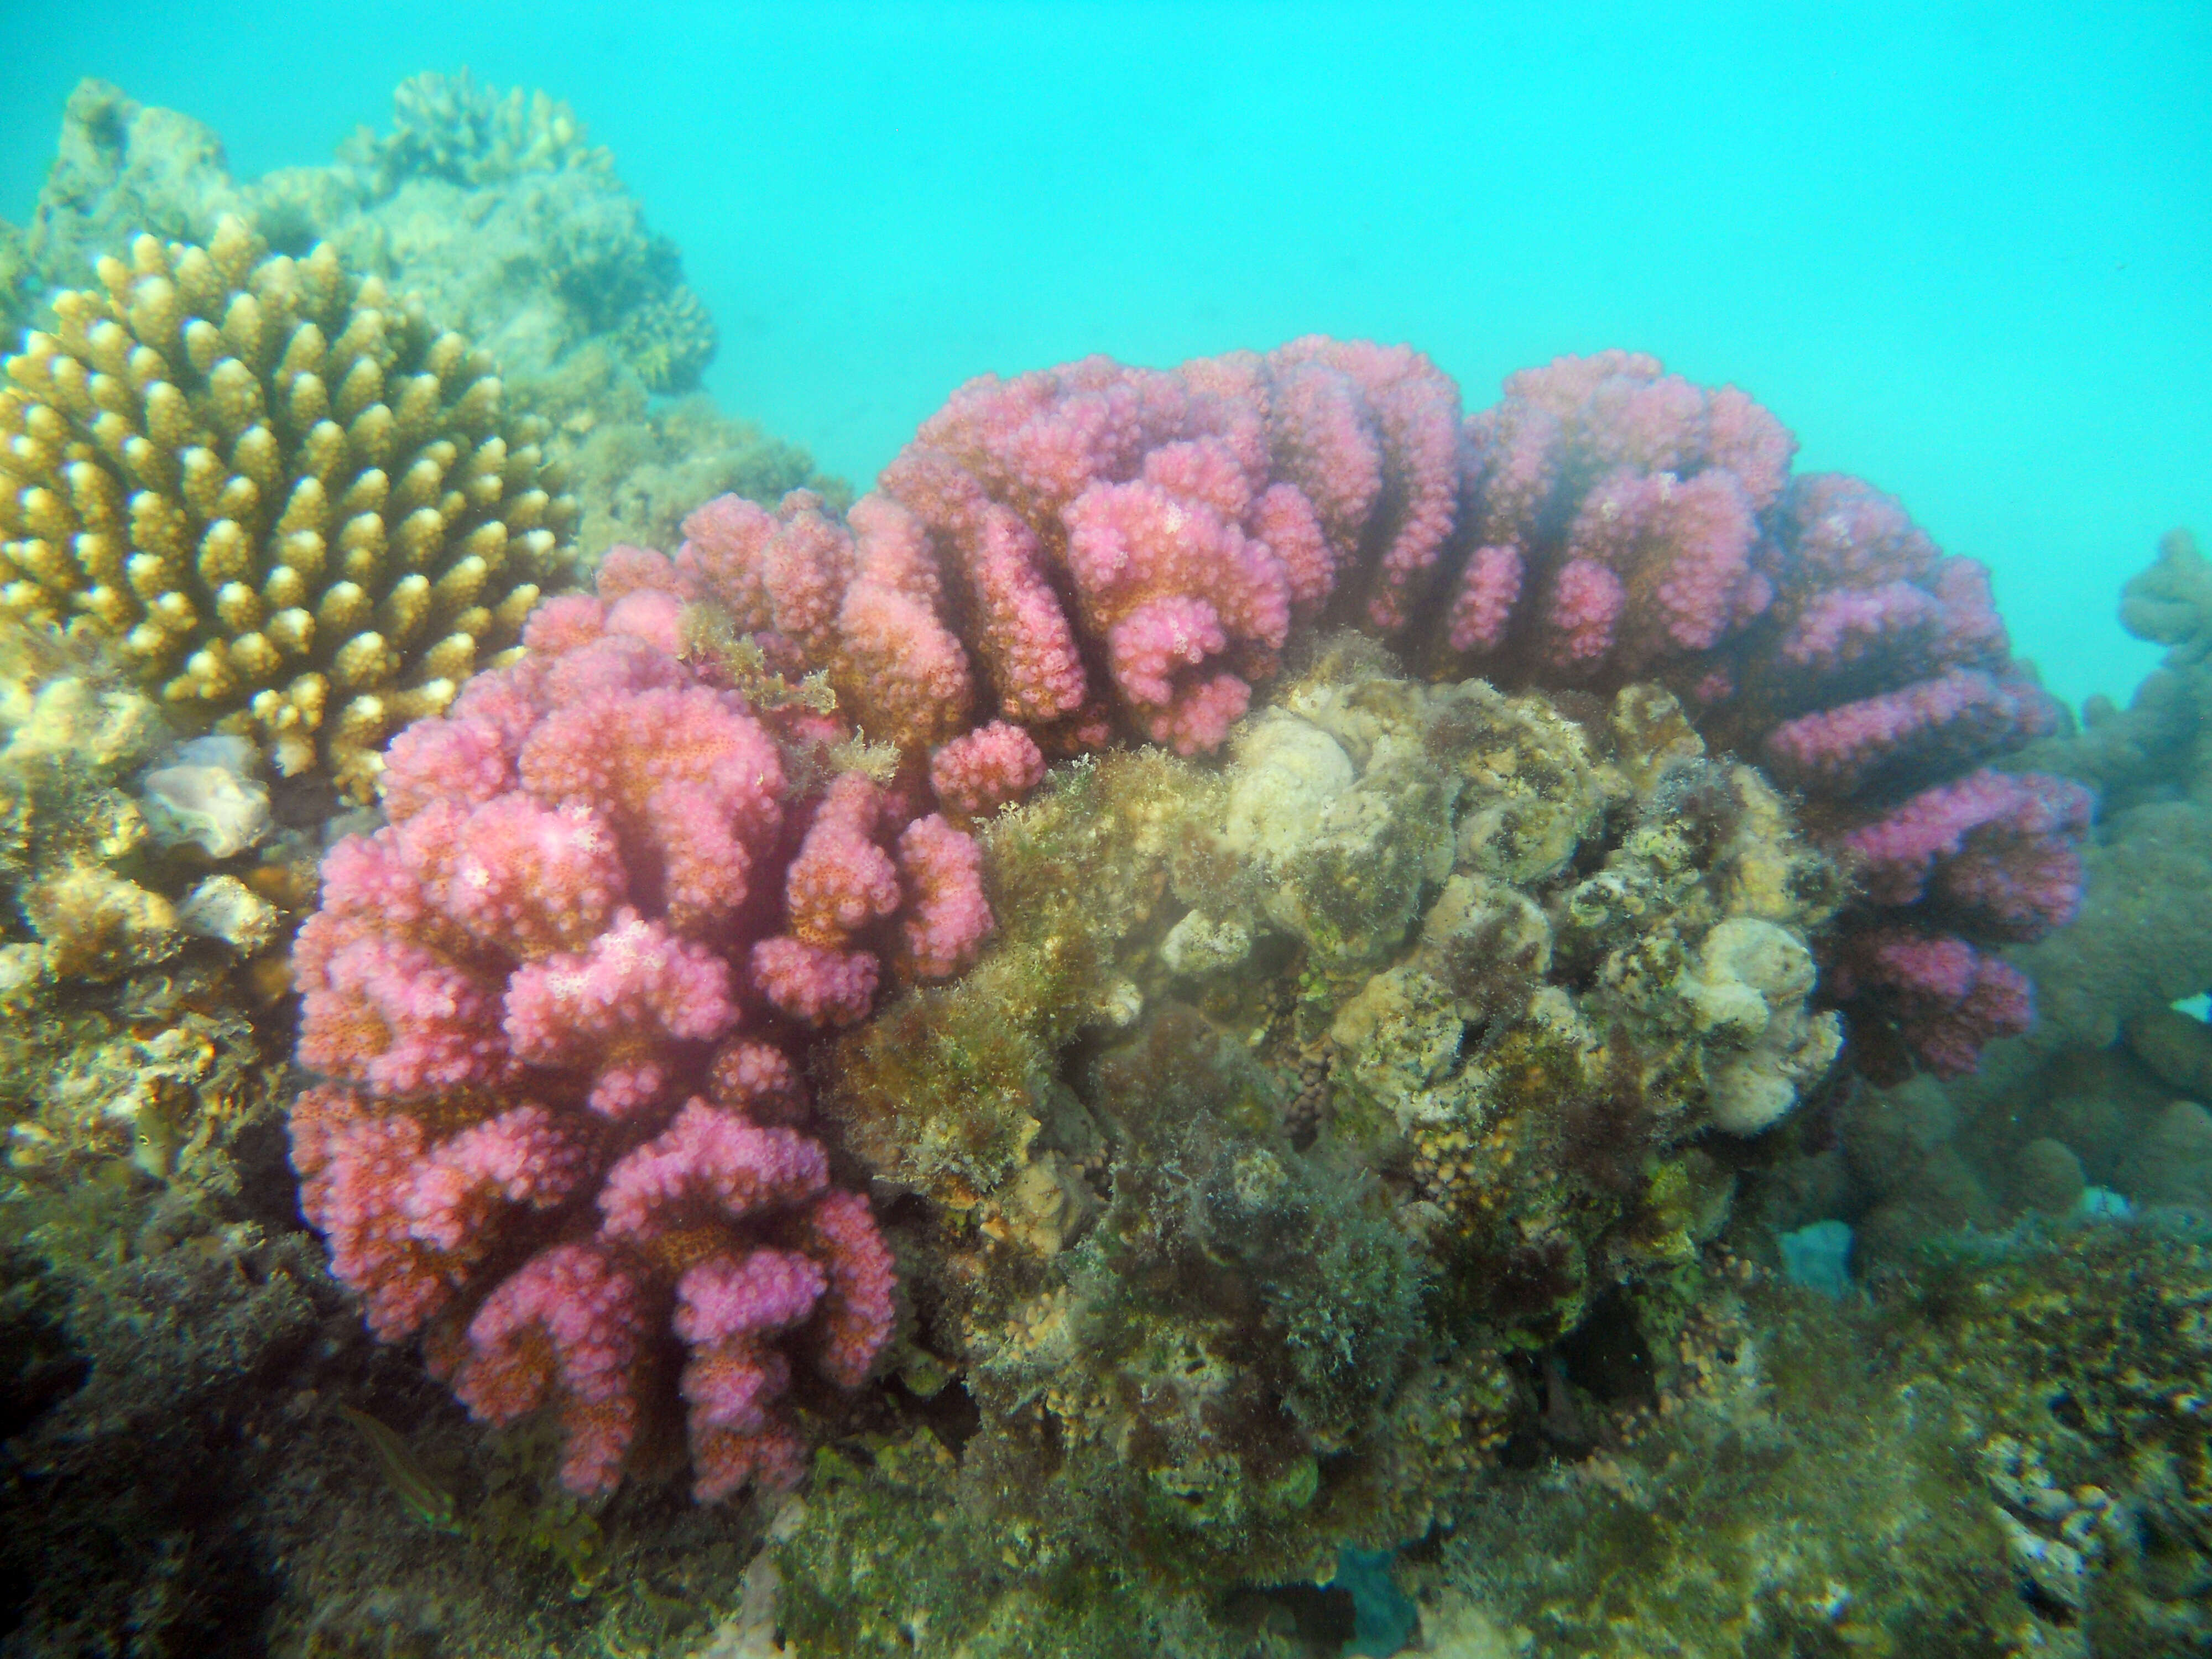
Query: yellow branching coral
[280, 496]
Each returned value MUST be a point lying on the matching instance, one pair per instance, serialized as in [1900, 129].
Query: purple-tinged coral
[546, 1002]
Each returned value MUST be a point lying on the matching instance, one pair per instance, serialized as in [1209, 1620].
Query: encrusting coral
[288, 504]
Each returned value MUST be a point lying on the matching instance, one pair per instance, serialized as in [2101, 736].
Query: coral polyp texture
[556, 1000]
[284, 499]
[1096, 551]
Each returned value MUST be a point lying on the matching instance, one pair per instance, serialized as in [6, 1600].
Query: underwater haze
[982, 832]
[1962, 250]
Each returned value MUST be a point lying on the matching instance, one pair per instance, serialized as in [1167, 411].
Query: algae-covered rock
[1292, 1100]
[124, 169]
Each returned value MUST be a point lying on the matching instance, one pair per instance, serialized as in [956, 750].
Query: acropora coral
[286, 501]
[516, 168]
[495, 208]
[1093, 550]
[555, 1142]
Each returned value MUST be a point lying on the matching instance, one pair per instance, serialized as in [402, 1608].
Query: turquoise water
[1961, 249]
[1366, 1280]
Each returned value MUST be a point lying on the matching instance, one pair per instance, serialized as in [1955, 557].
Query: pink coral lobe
[565, 1326]
[543, 954]
[982, 770]
[708, 1162]
[948, 917]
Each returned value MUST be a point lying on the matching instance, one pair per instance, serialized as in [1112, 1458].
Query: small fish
[424, 1498]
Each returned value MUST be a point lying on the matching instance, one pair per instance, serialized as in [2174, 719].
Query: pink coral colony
[1095, 550]
[551, 999]
[553, 996]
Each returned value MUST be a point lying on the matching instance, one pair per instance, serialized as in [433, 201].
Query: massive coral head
[551, 999]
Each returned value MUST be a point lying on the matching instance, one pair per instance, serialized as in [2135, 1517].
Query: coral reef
[639, 471]
[16, 286]
[1096, 549]
[282, 498]
[547, 997]
[451, 128]
[152, 1263]
[493, 209]
[2143, 939]
[2004, 1456]
[2068, 1114]
[107, 880]
[1326, 1161]
[495, 215]
[499, 211]
[123, 169]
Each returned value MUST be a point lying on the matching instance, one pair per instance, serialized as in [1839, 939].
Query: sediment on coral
[277, 493]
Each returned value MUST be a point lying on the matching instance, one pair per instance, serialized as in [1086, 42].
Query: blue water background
[1965, 250]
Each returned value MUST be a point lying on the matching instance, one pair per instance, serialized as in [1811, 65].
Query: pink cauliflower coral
[555, 1140]
[1623, 524]
[1094, 551]
[1094, 548]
